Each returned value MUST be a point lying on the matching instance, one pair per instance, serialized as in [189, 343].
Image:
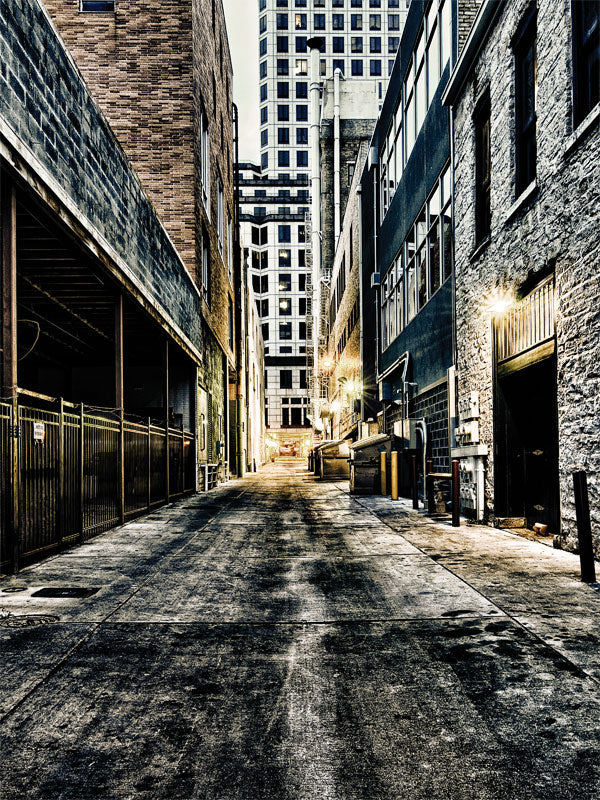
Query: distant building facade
[525, 103]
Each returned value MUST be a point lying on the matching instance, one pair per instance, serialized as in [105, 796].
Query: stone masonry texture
[46, 103]
[558, 230]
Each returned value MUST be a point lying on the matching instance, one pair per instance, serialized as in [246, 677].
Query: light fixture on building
[500, 302]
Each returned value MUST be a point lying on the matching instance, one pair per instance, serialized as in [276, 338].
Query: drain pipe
[422, 426]
[337, 204]
[360, 304]
[315, 99]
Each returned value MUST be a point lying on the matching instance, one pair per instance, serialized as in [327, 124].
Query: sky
[242, 28]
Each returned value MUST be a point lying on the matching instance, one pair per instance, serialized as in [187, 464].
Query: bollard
[383, 472]
[415, 483]
[584, 528]
[455, 494]
[394, 473]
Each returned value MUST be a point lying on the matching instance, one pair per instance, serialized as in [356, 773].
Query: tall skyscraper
[360, 38]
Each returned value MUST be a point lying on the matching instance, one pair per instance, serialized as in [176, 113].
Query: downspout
[360, 304]
[337, 204]
[315, 97]
[377, 319]
[239, 280]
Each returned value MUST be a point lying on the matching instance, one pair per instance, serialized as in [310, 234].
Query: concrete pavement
[278, 638]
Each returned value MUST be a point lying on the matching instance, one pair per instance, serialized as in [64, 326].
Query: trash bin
[333, 459]
[316, 458]
[365, 463]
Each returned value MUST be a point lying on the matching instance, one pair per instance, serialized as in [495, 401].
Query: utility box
[365, 463]
[406, 431]
[333, 460]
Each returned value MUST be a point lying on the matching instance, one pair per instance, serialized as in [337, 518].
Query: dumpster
[365, 463]
[333, 459]
[316, 457]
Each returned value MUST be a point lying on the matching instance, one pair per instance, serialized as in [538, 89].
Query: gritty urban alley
[277, 638]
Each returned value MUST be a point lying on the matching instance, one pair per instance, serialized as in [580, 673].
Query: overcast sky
[242, 27]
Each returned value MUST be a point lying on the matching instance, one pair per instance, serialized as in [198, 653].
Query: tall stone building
[525, 102]
[161, 72]
[360, 38]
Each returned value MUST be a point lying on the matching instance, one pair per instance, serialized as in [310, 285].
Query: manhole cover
[64, 591]
[13, 589]
[26, 621]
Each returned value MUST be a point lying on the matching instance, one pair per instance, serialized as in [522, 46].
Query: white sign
[39, 432]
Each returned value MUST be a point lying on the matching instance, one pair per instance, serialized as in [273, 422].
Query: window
[264, 115]
[204, 246]
[375, 44]
[264, 160]
[283, 158]
[229, 247]
[264, 138]
[301, 234]
[525, 111]
[302, 158]
[283, 66]
[285, 307]
[301, 90]
[262, 25]
[393, 44]
[301, 113]
[263, 93]
[374, 3]
[262, 70]
[319, 22]
[260, 284]
[283, 90]
[97, 5]
[285, 378]
[262, 48]
[301, 46]
[394, 22]
[338, 63]
[220, 215]
[205, 161]
[297, 415]
[302, 330]
[262, 307]
[302, 282]
[338, 44]
[356, 66]
[482, 169]
[284, 234]
[356, 4]
[302, 307]
[375, 67]
[338, 3]
[285, 330]
[337, 22]
[356, 44]
[265, 331]
[230, 323]
[374, 22]
[282, 44]
[285, 281]
[282, 3]
[301, 66]
[283, 135]
[281, 22]
[300, 26]
[586, 57]
[356, 22]
[283, 113]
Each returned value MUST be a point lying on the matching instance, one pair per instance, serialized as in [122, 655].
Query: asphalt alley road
[277, 639]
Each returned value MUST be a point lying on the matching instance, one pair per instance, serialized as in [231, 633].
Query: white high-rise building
[360, 38]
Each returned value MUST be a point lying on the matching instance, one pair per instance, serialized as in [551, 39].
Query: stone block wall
[45, 106]
[557, 229]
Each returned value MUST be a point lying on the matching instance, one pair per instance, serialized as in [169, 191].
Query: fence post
[455, 493]
[81, 471]
[584, 528]
[61, 472]
[149, 454]
[121, 462]
[415, 483]
[15, 483]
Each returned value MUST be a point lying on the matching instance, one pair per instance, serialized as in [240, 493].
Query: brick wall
[45, 102]
[559, 229]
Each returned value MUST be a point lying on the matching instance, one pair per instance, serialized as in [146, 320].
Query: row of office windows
[260, 236]
[285, 331]
[283, 114]
[286, 379]
[283, 136]
[422, 264]
[348, 328]
[337, 46]
[585, 20]
[260, 259]
[428, 60]
[285, 307]
[260, 283]
[300, 22]
[334, 3]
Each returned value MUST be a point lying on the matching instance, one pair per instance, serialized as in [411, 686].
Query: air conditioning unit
[375, 279]
[406, 431]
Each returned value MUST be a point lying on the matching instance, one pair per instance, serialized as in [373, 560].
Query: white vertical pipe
[315, 102]
[336, 156]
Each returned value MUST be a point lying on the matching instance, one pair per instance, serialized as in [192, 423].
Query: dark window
[285, 330]
[356, 44]
[338, 63]
[319, 22]
[283, 66]
[302, 282]
[302, 90]
[98, 5]
[301, 135]
[283, 135]
[303, 379]
[301, 46]
[375, 44]
[356, 4]
[301, 258]
[283, 113]
[525, 116]
[337, 21]
[375, 67]
[282, 22]
[300, 25]
[283, 158]
[301, 113]
[338, 44]
[302, 307]
[302, 158]
[264, 115]
[262, 25]
[586, 57]
[393, 44]
[482, 169]
[283, 90]
[285, 417]
[394, 22]
[263, 93]
[285, 258]
[263, 69]
[302, 330]
[285, 378]
[262, 48]
[374, 22]
[282, 44]
[301, 234]
[265, 331]
[297, 416]
[284, 234]
[264, 138]
[285, 282]
[356, 22]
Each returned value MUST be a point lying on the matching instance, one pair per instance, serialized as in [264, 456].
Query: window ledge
[522, 200]
[581, 131]
[479, 248]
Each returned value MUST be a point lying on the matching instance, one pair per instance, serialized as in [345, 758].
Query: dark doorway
[526, 463]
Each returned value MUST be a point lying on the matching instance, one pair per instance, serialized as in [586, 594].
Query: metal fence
[74, 474]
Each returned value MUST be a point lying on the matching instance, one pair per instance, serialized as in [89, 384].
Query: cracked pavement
[279, 639]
